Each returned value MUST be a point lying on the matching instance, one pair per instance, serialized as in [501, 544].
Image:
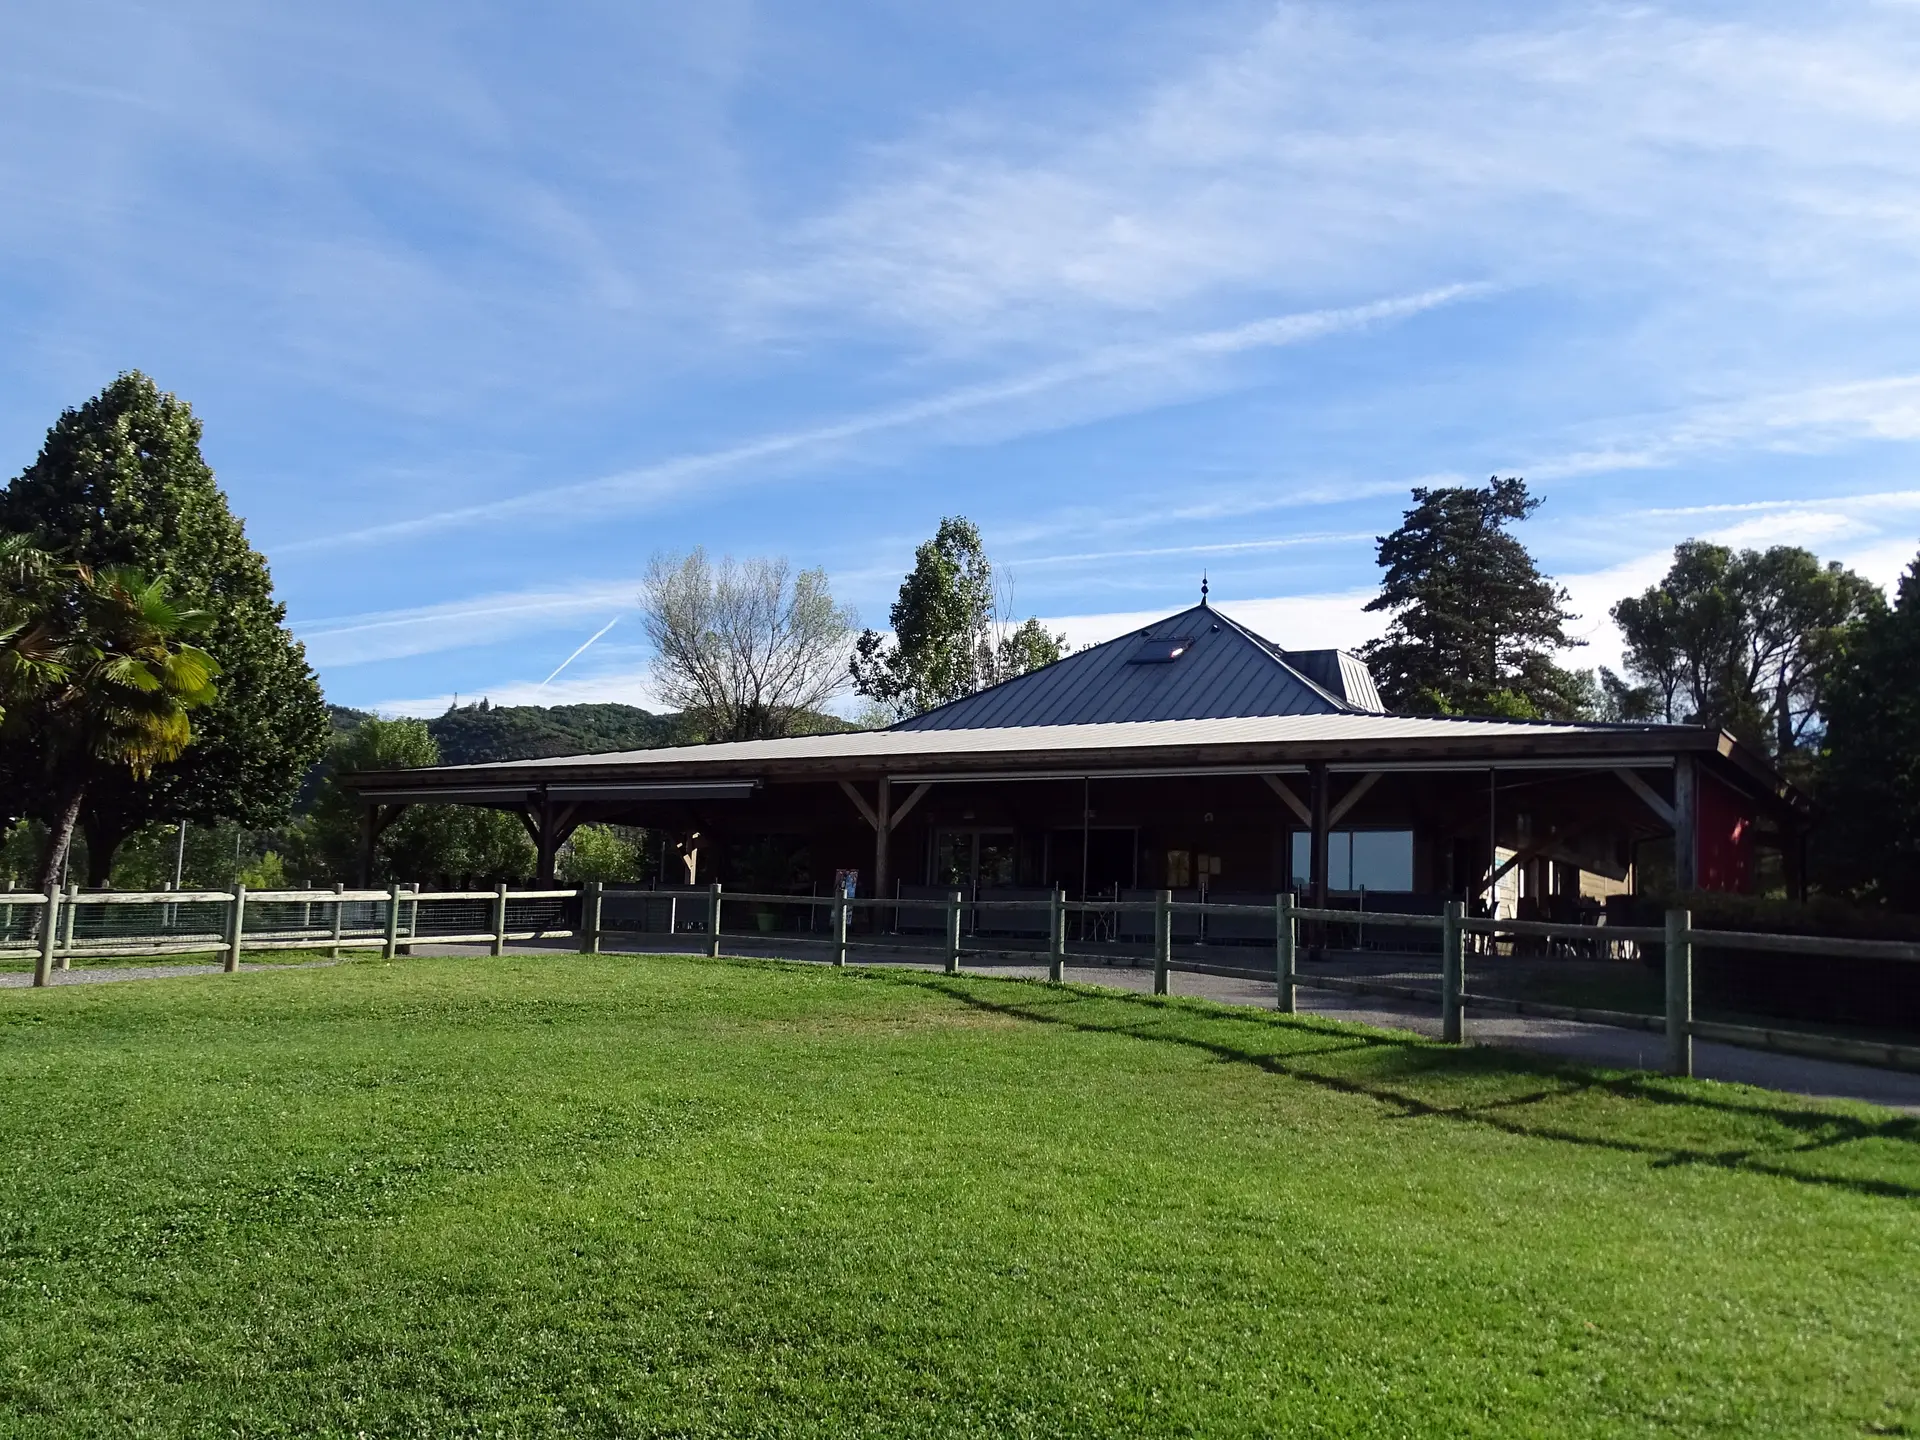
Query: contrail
[578, 653]
[669, 477]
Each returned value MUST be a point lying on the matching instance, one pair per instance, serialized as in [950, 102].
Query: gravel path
[1584, 1044]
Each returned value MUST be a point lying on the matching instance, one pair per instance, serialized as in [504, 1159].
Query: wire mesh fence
[1635, 976]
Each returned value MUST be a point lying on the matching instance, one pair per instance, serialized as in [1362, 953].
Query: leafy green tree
[27, 641]
[426, 843]
[748, 648]
[1745, 641]
[951, 636]
[121, 481]
[1868, 836]
[1475, 624]
[112, 694]
[598, 852]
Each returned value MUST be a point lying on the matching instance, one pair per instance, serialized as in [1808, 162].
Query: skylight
[1160, 652]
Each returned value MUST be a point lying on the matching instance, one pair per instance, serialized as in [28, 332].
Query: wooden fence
[59, 927]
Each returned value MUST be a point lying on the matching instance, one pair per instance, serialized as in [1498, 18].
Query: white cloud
[1335, 146]
[457, 624]
[1143, 373]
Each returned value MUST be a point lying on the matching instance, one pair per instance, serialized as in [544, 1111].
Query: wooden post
[339, 919]
[70, 912]
[49, 935]
[413, 920]
[1285, 939]
[713, 921]
[368, 834]
[1057, 937]
[840, 908]
[500, 918]
[1679, 992]
[1162, 941]
[236, 927]
[590, 897]
[953, 932]
[1453, 967]
[391, 946]
[882, 834]
[1686, 827]
[1318, 839]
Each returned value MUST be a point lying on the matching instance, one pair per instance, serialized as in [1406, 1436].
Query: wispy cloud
[1171, 358]
[455, 624]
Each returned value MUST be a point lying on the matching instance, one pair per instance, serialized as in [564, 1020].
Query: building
[1192, 755]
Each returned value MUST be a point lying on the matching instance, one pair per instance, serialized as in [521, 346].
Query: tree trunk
[60, 840]
[103, 842]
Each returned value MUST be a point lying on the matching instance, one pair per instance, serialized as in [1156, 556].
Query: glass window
[996, 859]
[1358, 860]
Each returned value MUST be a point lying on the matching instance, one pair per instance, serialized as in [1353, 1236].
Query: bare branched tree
[749, 648]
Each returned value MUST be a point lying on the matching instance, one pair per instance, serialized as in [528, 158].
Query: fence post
[1162, 941]
[391, 945]
[1453, 965]
[236, 927]
[713, 921]
[412, 912]
[72, 912]
[1286, 939]
[1057, 937]
[339, 919]
[1679, 992]
[840, 908]
[499, 919]
[953, 932]
[49, 935]
[590, 918]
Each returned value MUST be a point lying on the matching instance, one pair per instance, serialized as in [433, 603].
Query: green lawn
[553, 1195]
[17, 962]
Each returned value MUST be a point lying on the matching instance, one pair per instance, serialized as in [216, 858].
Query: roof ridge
[1279, 655]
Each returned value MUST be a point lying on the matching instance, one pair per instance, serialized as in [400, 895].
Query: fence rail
[57, 927]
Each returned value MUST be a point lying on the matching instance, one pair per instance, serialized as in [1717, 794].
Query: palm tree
[110, 684]
[27, 644]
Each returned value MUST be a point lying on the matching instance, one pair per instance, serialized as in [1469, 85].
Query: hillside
[475, 734]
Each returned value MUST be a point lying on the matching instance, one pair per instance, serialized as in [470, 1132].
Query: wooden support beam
[1648, 795]
[1686, 829]
[882, 830]
[919, 792]
[1353, 797]
[860, 804]
[1293, 802]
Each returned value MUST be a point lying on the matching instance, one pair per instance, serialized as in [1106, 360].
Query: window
[973, 859]
[1358, 859]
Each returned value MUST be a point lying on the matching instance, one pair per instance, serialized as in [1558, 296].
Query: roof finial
[1203, 587]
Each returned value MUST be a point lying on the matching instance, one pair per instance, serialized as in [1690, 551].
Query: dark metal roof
[1222, 671]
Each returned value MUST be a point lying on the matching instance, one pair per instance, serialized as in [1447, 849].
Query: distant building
[1192, 755]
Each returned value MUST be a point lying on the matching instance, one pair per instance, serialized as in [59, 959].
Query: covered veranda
[1536, 820]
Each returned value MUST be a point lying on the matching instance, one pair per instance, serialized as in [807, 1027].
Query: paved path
[1584, 1044]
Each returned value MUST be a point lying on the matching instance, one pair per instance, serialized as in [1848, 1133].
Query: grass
[549, 1195]
[17, 962]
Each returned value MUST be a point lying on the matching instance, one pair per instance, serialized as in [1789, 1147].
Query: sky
[482, 306]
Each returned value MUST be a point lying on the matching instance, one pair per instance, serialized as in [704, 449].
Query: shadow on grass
[1161, 1022]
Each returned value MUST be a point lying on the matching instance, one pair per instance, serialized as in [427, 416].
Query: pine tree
[121, 482]
[1475, 623]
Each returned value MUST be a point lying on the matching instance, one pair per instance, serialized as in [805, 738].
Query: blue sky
[481, 306]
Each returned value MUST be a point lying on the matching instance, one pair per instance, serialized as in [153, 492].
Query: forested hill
[476, 734]
[472, 735]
